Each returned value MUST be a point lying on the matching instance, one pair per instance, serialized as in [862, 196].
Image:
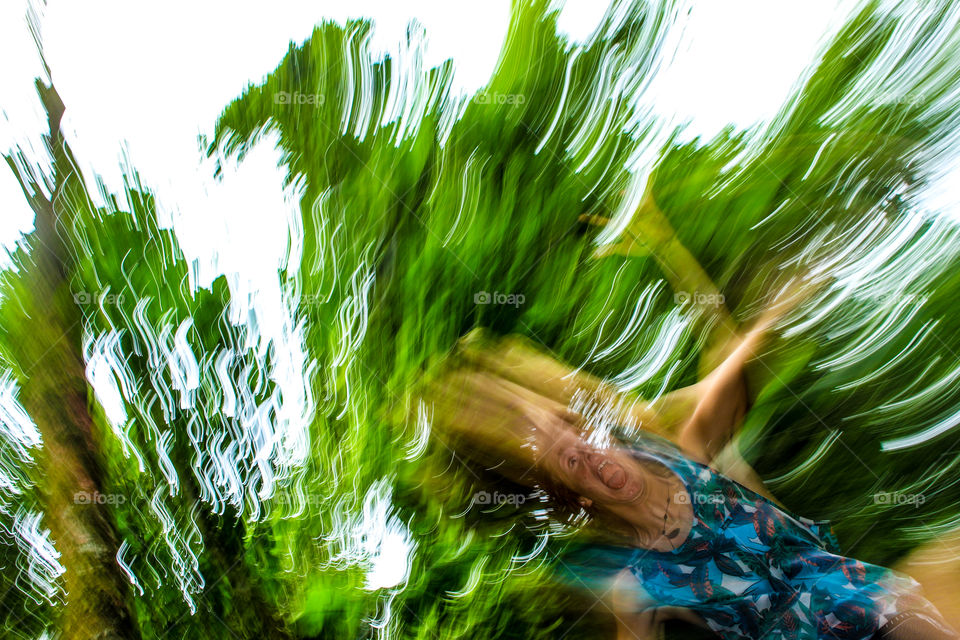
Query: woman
[688, 542]
[685, 540]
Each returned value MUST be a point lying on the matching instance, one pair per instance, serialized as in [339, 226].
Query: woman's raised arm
[723, 395]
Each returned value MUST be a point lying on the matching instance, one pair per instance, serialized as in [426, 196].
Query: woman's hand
[634, 616]
[637, 617]
[799, 289]
[647, 230]
[724, 397]
[743, 348]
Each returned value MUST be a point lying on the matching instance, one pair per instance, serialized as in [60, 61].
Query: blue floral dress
[751, 569]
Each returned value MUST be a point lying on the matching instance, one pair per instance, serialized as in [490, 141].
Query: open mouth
[611, 474]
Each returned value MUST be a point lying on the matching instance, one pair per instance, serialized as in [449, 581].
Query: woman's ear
[586, 503]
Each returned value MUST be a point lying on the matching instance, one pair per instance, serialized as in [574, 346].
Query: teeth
[600, 468]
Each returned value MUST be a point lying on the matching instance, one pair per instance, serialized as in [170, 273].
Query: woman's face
[537, 434]
[601, 476]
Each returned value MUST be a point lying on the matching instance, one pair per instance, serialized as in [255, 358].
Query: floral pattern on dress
[754, 570]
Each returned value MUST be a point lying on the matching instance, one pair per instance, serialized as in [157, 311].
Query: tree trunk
[46, 342]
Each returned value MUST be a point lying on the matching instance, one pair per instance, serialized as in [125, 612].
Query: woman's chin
[628, 493]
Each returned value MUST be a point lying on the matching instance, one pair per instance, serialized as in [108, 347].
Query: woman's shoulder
[644, 439]
[592, 563]
[647, 443]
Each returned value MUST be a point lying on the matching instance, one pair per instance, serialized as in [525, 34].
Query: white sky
[154, 75]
